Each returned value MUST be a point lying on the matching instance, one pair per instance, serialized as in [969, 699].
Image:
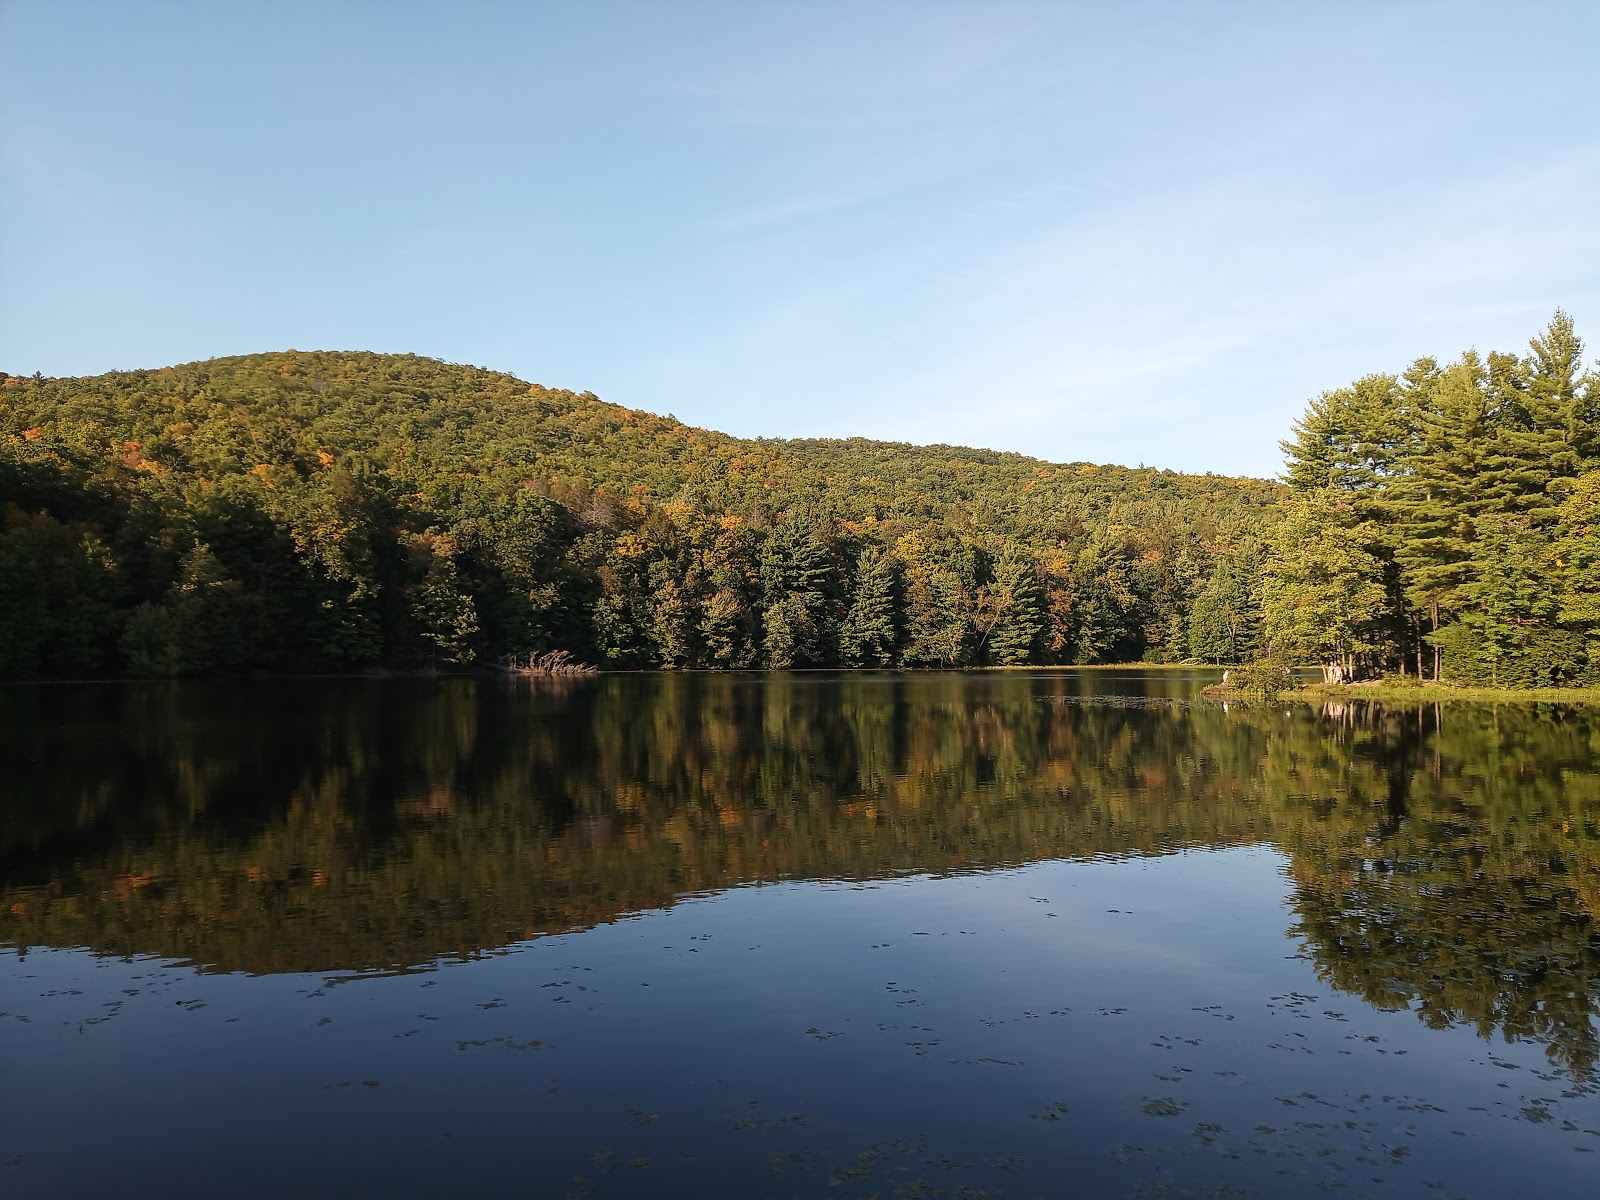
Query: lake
[904, 935]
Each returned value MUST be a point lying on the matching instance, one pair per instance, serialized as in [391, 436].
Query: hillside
[315, 511]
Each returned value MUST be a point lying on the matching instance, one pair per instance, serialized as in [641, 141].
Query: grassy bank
[1420, 693]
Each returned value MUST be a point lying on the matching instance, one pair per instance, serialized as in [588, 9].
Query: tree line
[1444, 523]
[327, 512]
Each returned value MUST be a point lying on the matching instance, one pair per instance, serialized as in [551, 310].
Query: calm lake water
[1052, 934]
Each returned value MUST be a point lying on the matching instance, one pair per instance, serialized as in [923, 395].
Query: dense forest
[1445, 523]
[302, 512]
[326, 512]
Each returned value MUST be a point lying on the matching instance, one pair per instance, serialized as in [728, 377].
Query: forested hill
[325, 511]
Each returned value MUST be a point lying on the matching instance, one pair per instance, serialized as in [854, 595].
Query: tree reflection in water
[1444, 860]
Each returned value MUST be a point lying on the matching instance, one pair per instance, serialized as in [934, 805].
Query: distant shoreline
[1421, 693]
[495, 672]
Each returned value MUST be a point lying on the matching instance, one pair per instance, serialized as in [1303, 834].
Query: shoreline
[496, 672]
[1421, 693]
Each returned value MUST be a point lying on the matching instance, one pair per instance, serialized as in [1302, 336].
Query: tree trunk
[1436, 651]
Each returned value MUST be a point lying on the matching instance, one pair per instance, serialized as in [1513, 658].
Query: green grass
[1432, 693]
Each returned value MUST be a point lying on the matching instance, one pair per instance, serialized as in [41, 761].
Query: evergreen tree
[1350, 439]
[1103, 600]
[867, 636]
[798, 586]
[1449, 481]
[1576, 556]
[1508, 634]
[792, 637]
[1549, 431]
[1225, 617]
[1021, 624]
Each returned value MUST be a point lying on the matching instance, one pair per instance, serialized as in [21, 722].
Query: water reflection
[1445, 861]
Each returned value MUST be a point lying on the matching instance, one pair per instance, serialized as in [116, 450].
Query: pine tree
[798, 587]
[1508, 635]
[792, 638]
[1549, 430]
[1224, 623]
[1021, 624]
[1349, 439]
[1576, 555]
[867, 636]
[1448, 481]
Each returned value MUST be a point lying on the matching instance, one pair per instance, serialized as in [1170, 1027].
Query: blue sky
[1134, 232]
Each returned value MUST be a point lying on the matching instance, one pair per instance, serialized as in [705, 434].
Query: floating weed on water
[1536, 1113]
[1162, 1106]
[506, 1043]
[1052, 1112]
[1127, 1152]
[641, 1117]
[821, 1036]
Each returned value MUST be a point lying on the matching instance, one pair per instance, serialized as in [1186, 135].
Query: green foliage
[1459, 494]
[1225, 622]
[868, 637]
[1019, 601]
[396, 510]
[59, 585]
[205, 623]
[1263, 679]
